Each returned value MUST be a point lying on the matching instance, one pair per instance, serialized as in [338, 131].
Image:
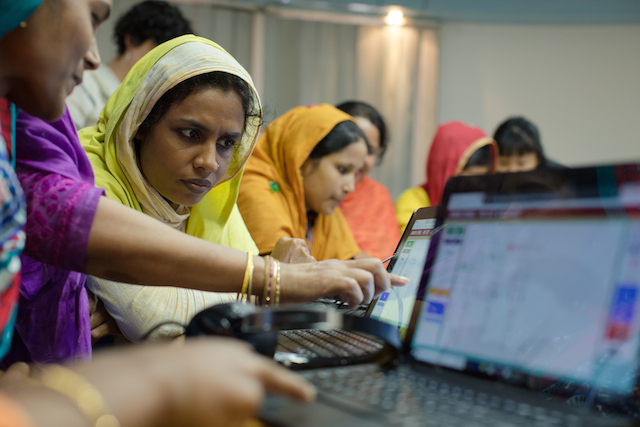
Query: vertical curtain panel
[392, 68]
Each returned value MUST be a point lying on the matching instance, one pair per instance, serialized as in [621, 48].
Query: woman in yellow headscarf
[304, 164]
[172, 142]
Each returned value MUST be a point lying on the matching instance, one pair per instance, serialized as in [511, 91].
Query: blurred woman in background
[369, 209]
[457, 149]
[520, 147]
[140, 29]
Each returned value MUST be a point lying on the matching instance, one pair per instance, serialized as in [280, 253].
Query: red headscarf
[452, 146]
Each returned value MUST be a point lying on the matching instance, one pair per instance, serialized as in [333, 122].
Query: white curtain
[231, 29]
[392, 68]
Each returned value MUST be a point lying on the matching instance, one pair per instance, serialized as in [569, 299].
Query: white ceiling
[495, 11]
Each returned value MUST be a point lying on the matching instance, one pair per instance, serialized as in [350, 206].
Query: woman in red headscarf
[457, 149]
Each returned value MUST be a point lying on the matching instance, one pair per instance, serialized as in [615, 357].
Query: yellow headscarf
[272, 194]
[110, 148]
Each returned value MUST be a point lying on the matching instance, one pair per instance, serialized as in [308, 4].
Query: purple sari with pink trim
[55, 173]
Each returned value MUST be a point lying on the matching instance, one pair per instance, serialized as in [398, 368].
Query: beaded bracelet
[247, 281]
[84, 394]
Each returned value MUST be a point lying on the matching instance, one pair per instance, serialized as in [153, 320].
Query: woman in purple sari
[61, 202]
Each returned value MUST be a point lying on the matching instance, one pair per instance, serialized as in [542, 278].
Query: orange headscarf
[452, 146]
[271, 197]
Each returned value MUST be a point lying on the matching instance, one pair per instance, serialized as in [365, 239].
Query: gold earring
[23, 24]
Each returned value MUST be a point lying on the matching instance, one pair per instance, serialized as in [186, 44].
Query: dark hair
[361, 109]
[342, 135]
[482, 157]
[150, 20]
[216, 79]
[518, 136]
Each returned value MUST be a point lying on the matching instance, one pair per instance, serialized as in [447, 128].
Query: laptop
[302, 349]
[395, 306]
[526, 313]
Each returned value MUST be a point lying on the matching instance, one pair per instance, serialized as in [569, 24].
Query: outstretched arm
[128, 246]
[212, 381]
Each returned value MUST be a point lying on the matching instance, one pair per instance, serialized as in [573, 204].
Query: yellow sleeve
[409, 201]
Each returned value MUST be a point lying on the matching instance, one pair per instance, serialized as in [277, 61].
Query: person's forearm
[128, 246]
[128, 382]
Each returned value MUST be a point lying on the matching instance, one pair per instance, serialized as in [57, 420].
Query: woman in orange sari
[457, 149]
[369, 209]
[303, 166]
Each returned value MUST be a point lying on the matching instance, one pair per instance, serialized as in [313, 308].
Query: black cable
[159, 325]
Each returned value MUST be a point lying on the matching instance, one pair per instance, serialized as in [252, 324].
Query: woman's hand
[355, 281]
[201, 382]
[292, 251]
[218, 382]
[102, 324]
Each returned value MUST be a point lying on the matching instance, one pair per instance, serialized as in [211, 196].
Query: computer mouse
[221, 319]
[226, 320]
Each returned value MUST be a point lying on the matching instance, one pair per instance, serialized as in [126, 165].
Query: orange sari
[271, 198]
[371, 216]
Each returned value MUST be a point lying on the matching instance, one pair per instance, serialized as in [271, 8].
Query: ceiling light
[395, 17]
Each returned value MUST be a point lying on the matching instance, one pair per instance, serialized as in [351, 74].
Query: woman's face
[44, 61]
[190, 149]
[373, 136]
[517, 163]
[328, 179]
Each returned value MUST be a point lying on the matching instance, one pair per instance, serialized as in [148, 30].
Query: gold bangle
[250, 273]
[277, 292]
[245, 281]
[268, 279]
[84, 394]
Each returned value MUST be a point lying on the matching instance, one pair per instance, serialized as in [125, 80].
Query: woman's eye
[228, 143]
[190, 133]
[343, 170]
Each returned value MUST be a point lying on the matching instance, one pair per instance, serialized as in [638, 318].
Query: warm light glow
[394, 17]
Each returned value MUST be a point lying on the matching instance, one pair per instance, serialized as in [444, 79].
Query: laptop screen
[395, 307]
[540, 283]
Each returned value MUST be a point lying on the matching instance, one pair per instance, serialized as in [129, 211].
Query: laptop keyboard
[407, 398]
[335, 343]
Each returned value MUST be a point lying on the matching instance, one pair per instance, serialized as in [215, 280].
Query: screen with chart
[395, 306]
[546, 287]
